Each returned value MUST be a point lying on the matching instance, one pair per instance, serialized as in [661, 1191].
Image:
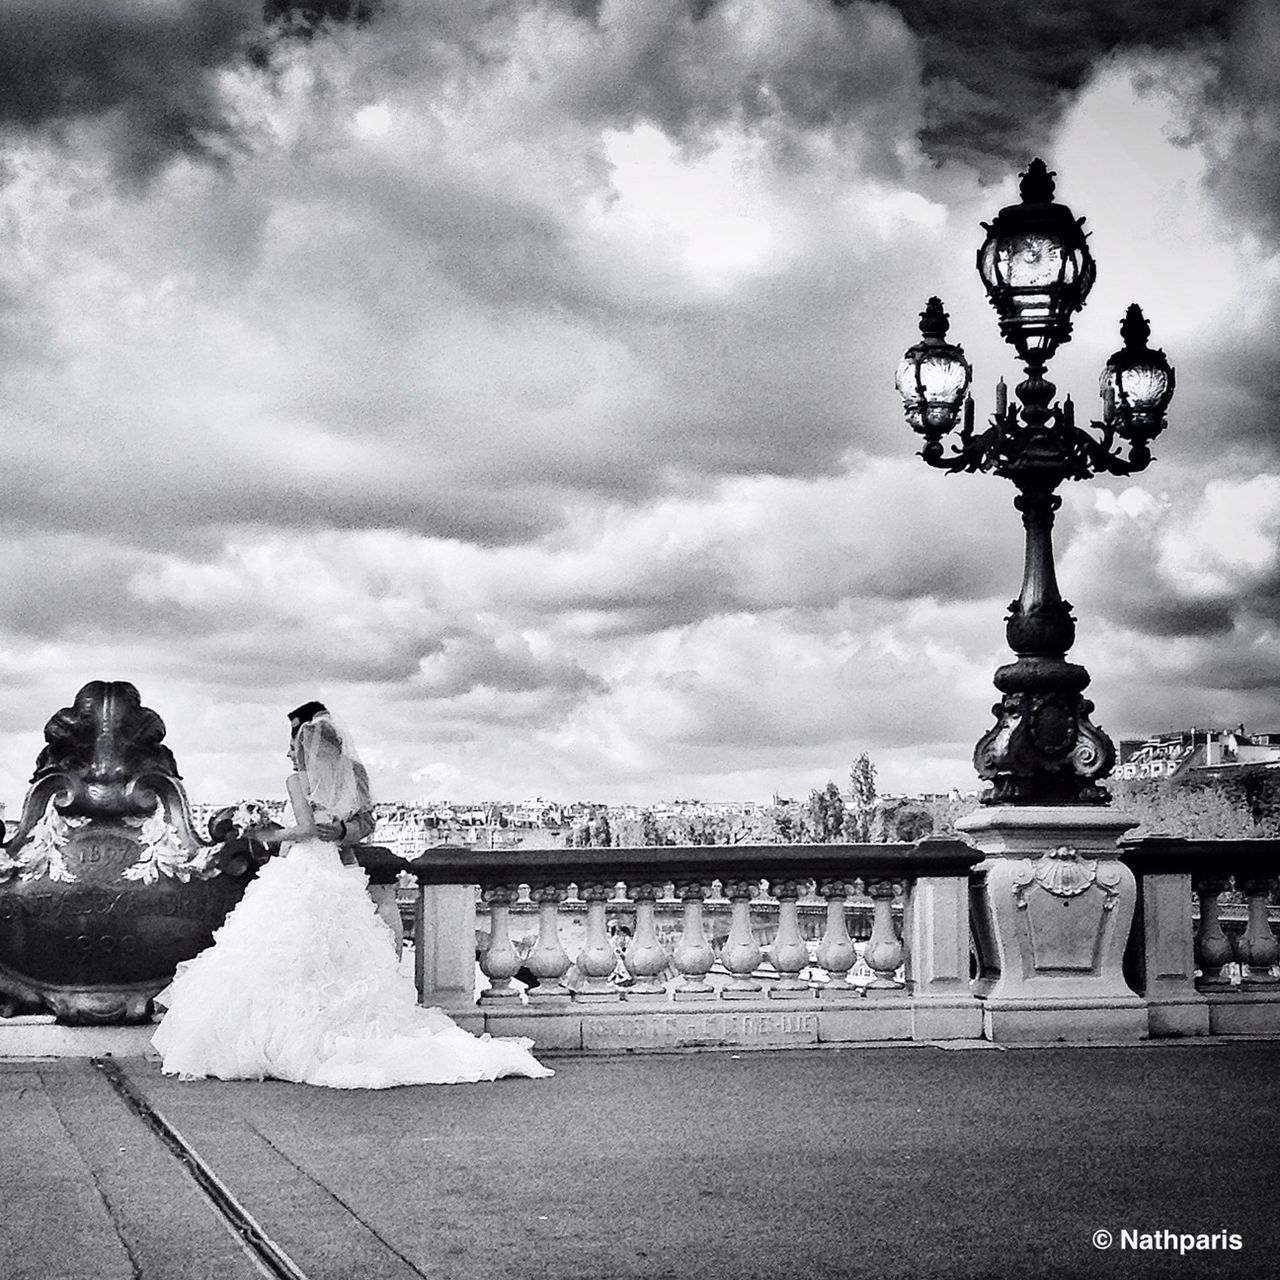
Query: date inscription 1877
[97, 857]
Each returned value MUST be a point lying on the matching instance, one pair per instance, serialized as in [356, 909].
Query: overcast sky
[518, 379]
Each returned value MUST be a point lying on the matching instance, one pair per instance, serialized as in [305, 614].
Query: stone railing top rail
[1172, 855]
[932, 856]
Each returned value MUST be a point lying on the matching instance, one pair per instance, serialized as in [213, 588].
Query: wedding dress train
[302, 983]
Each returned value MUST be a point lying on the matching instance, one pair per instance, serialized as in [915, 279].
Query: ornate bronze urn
[105, 887]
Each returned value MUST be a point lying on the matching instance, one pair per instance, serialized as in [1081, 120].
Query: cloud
[691, 69]
[430, 324]
[518, 379]
[506, 664]
[1240, 119]
[144, 80]
[141, 75]
[1212, 547]
[651, 643]
[1181, 593]
[998, 77]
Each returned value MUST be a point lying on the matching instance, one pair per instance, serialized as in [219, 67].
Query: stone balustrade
[679, 992]
[1198, 978]
[752, 945]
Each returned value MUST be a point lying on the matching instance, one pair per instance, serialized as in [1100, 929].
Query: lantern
[1136, 382]
[1036, 267]
[933, 376]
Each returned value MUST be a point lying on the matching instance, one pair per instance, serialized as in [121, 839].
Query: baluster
[790, 955]
[646, 957]
[836, 952]
[500, 960]
[693, 954]
[1212, 947]
[741, 954]
[884, 951]
[548, 961]
[1257, 949]
[597, 960]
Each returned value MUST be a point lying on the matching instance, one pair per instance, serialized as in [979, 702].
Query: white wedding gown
[302, 983]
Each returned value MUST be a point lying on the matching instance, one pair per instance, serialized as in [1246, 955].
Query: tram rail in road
[273, 1261]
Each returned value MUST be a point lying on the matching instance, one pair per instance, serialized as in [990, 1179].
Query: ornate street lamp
[1037, 269]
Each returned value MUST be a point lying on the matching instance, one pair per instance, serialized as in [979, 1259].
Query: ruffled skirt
[302, 983]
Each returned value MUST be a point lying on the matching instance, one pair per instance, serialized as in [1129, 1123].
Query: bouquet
[251, 815]
[235, 828]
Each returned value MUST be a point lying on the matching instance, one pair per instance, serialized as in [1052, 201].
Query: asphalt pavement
[880, 1162]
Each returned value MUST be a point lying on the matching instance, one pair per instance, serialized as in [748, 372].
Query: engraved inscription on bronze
[99, 857]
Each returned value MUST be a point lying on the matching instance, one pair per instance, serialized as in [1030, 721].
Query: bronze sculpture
[105, 886]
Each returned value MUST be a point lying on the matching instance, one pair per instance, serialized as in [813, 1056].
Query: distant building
[1178, 754]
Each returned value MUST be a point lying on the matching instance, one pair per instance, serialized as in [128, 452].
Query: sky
[517, 378]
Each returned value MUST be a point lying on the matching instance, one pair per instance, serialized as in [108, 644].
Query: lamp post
[1037, 269]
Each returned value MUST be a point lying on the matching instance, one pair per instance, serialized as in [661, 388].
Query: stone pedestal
[1052, 908]
[444, 949]
[1174, 1006]
[936, 931]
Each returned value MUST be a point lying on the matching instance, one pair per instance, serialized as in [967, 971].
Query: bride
[302, 982]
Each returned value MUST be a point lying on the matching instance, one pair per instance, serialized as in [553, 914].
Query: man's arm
[358, 827]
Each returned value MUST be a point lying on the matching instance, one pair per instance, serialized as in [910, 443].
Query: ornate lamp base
[1043, 748]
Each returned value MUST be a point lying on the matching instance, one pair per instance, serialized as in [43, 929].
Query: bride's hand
[333, 831]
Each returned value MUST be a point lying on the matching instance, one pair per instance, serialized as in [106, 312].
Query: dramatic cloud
[518, 378]
[999, 75]
[140, 75]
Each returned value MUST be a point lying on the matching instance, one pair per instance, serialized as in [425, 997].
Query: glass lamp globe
[1036, 267]
[1136, 383]
[933, 376]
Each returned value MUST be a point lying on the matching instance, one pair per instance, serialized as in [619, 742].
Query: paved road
[879, 1162]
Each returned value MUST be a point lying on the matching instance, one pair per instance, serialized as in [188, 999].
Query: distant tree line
[593, 832]
[869, 818]
[829, 816]
[1212, 805]
[1237, 804]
